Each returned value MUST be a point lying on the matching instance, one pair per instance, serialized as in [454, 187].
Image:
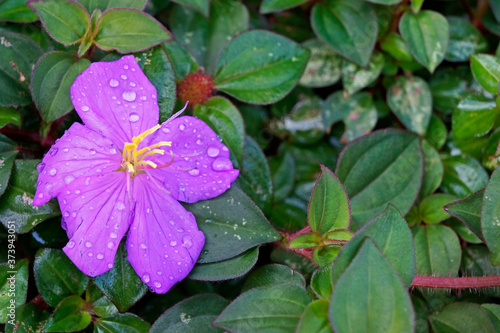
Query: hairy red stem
[456, 282]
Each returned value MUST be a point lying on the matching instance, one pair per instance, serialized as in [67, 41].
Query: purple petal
[79, 152]
[97, 213]
[201, 169]
[116, 99]
[164, 242]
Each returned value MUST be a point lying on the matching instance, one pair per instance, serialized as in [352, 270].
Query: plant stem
[482, 7]
[456, 282]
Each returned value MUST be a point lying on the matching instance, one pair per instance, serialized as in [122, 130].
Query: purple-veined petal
[79, 152]
[116, 99]
[97, 211]
[164, 242]
[201, 168]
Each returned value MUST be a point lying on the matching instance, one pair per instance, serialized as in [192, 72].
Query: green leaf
[476, 261]
[437, 250]
[255, 176]
[13, 284]
[310, 239]
[159, 71]
[104, 5]
[283, 173]
[433, 173]
[356, 78]
[9, 116]
[66, 21]
[322, 215]
[260, 67]
[205, 38]
[225, 119]
[321, 282]
[57, 277]
[121, 284]
[349, 27]
[227, 269]
[16, 11]
[463, 232]
[121, 323]
[325, 255]
[29, 319]
[432, 207]
[493, 312]
[69, 316]
[490, 216]
[436, 132]
[272, 6]
[381, 168]
[465, 40]
[183, 62]
[114, 31]
[416, 5]
[474, 116]
[16, 204]
[18, 55]
[411, 101]
[427, 34]
[342, 235]
[192, 315]
[8, 153]
[486, 70]
[315, 318]
[463, 175]
[277, 306]
[101, 305]
[358, 112]
[272, 274]
[468, 211]
[232, 224]
[323, 67]
[461, 318]
[372, 287]
[391, 234]
[55, 72]
[395, 45]
[491, 152]
[201, 6]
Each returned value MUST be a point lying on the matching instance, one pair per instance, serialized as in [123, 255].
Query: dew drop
[90, 254]
[110, 265]
[125, 67]
[133, 117]
[213, 151]
[70, 245]
[171, 277]
[111, 245]
[129, 96]
[145, 278]
[88, 244]
[194, 172]
[171, 222]
[143, 246]
[199, 142]
[173, 243]
[85, 108]
[123, 76]
[112, 151]
[53, 151]
[40, 167]
[66, 214]
[113, 83]
[222, 164]
[187, 241]
[120, 205]
[144, 98]
[69, 179]
[100, 256]
[92, 151]
[53, 171]
[157, 284]
[182, 127]
[132, 84]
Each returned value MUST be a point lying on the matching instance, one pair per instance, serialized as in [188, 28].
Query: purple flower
[122, 171]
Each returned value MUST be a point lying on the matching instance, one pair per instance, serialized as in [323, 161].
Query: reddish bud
[195, 89]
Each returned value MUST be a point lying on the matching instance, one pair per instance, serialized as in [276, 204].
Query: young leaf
[16, 11]
[321, 282]
[372, 287]
[474, 116]
[315, 318]
[272, 274]
[431, 208]
[69, 316]
[490, 216]
[486, 70]
[310, 239]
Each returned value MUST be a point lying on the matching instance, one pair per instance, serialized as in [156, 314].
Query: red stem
[456, 282]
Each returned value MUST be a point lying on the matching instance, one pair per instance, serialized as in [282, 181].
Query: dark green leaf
[271, 6]
[323, 67]
[201, 6]
[391, 234]
[437, 250]
[13, 284]
[104, 5]
[227, 269]
[433, 173]
[436, 132]
[272, 274]
[69, 316]
[356, 78]
[474, 116]
[66, 21]
[411, 100]
[121, 284]
[183, 62]
[491, 152]
[463, 175]
[278, 306]
[225, 119]
[114, 31]
[431, 208]
[493, 312]
[55, 72]
[192, 315]
[486, 70]
[381, 168]
[232, 224]
[468, 211]
[121, 323]
[372, 287]
[9, 116]
[490, 216]
[29, 319]
[461, 318]
[16, 11]
[101, 305]
[463, 232]
[7, 154]
[315, 318]
[283, 173]
[427, 34]
[16, 204]
[321, 282]
[349, 27]
[465, 40]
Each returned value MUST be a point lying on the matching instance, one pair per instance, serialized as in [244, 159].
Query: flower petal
[116, 99]
[201, 169]
[164, 242]
[79, 152]
[97, 214]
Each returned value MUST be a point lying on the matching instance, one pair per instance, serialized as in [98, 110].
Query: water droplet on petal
[92, 151]
[129, 96]
[144, 98]
[66, 214]
[110, 265]
[133, 117]
[143, 246]
[113, 235]
[40, 167]
[90, 254]
[213, 151]
[100, 256]
[187, 241]
[111, 245]
[85, 108]
[53, 151]
[112, 151]
[222, 164]
[194, 172]
[120, 205]
[70, 245]
[125, 67]
[132, 84]
[88, 244]
[173, 243]
[53, 171]
[182, 127]
[157, 284]
[145, 278]
[159, 273]
[69, 179]
[123, 76]
[113, 83]
[171, 222]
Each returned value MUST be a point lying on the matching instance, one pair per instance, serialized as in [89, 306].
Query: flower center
[137, 160]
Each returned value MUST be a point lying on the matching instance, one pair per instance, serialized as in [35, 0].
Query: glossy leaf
[468, 211]
[123, 322]
[465, 40]
[461, 318]
[463, 176]
[13, 285]
[114, 31]
[381, 168]
[315, 318]
[201, 6]
[349, 27]
[55, 71]
[427, 35]
[16, 11]
[323, 67]
[104, 5]
[431, 208]
[490, 215]
[16, 204]
[279, 306]
[474, 116]
[356, 78]
[260, 67]
[182, 62]
[271, 6]
[232, 224]
[411, 101]
[69, 316]
[272, 274]
[101, 305]
[9, 116]
[29, 318]
[486, 70]
[372, 287]
[395, 45]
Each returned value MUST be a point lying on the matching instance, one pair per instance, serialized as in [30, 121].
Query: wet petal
[97, 213]
[116, 99]
[79, 152]
[164, 242]
[201, 169]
